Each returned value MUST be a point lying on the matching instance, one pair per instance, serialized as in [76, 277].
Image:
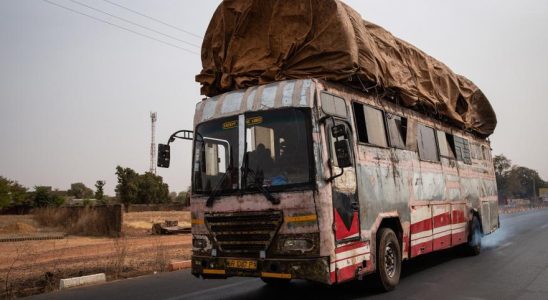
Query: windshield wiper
[256, 182]
[215, 192]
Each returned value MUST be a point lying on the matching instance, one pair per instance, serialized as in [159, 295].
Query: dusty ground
[29, 267]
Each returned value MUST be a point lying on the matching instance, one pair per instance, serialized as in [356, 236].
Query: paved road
[513, 265]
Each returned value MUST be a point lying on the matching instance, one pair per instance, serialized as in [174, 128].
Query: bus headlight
[200, 242]
[303, 245]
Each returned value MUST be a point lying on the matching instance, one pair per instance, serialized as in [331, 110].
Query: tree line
[147, 188]
[516, 182]
[131, 188]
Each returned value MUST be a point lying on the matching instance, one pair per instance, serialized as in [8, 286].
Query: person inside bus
[261, 162]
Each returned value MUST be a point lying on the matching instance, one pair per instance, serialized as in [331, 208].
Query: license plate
[241, 264]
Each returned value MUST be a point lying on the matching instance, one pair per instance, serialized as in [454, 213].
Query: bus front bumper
[314, 269]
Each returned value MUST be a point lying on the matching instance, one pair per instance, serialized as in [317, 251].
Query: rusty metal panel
[295, 93]
[421, 230]
[441, 221]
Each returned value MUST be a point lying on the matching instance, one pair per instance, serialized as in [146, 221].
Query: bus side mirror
[338, 131]
[163, 156]
[342, 151]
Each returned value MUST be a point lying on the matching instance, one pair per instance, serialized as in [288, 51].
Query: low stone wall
[100, 220]
[157, 207]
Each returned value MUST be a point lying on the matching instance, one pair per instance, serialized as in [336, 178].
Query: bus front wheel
[388, 259]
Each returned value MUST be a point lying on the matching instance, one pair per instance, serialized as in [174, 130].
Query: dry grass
[36, 266]
[33, 267]
[23, 226]
[88, 221]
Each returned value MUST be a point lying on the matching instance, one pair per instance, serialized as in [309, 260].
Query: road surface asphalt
[513, 265]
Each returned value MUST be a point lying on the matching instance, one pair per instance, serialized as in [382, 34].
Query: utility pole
[153, 119]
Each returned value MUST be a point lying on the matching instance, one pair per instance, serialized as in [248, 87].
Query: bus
[309, 179]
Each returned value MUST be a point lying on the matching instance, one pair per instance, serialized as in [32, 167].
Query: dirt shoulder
[31, 267]
[36, 266]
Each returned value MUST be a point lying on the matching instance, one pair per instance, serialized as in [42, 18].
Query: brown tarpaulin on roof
[252, 42]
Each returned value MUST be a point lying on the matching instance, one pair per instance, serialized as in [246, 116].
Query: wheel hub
[389, 260]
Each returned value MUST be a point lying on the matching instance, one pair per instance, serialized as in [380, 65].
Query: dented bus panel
[304, 179]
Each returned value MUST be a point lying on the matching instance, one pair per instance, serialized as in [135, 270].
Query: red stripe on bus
[458, 216]
[442, 219]
[351, 246]
[421, 226]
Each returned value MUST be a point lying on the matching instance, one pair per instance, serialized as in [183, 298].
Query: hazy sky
[75, 93]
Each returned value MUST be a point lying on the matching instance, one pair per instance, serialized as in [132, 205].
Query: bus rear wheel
[473, 247]
[388, 260]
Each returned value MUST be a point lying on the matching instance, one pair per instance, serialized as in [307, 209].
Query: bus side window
[426, 139]
[476, 151]
[446, 143]
[486, 154]
[462, 148]
[397, 130]
[370, 125]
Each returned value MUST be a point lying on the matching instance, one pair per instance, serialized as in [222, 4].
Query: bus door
[343, 179]
[350, 251]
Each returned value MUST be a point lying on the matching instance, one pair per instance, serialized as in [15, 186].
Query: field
[35, 266]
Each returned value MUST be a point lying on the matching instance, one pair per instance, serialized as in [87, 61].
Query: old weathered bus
[308, 179]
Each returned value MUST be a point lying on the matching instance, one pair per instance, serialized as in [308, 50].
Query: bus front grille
[244, 232]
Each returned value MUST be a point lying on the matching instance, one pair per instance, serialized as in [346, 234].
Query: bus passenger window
[370, 125]
[462, 150]
[486, 154]
[475, 151]
[397, 130]
[426, 139]
[446, 143]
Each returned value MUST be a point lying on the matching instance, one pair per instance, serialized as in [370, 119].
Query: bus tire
[388, 260]
[473, 247]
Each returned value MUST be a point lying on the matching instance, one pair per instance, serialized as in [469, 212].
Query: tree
[43, 196]
[80, 191]
[502, 164]
[522, 182]
[142, 189]
[173, 197]
[99, 193]
[127, 187]
[184, 197]
[152, 189]
[12, 193]
[5, 195]
[502, 167]
[516, 181]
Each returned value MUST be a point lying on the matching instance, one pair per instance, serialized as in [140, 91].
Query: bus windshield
[277, 152]
[277, 149]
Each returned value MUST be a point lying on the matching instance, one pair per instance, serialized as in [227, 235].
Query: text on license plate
[241, 264]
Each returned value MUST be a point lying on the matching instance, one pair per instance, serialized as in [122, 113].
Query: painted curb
[84, 280]
[179, 265]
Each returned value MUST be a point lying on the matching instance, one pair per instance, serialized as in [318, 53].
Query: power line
[133, 23]
[120, 27]
[154, 19]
